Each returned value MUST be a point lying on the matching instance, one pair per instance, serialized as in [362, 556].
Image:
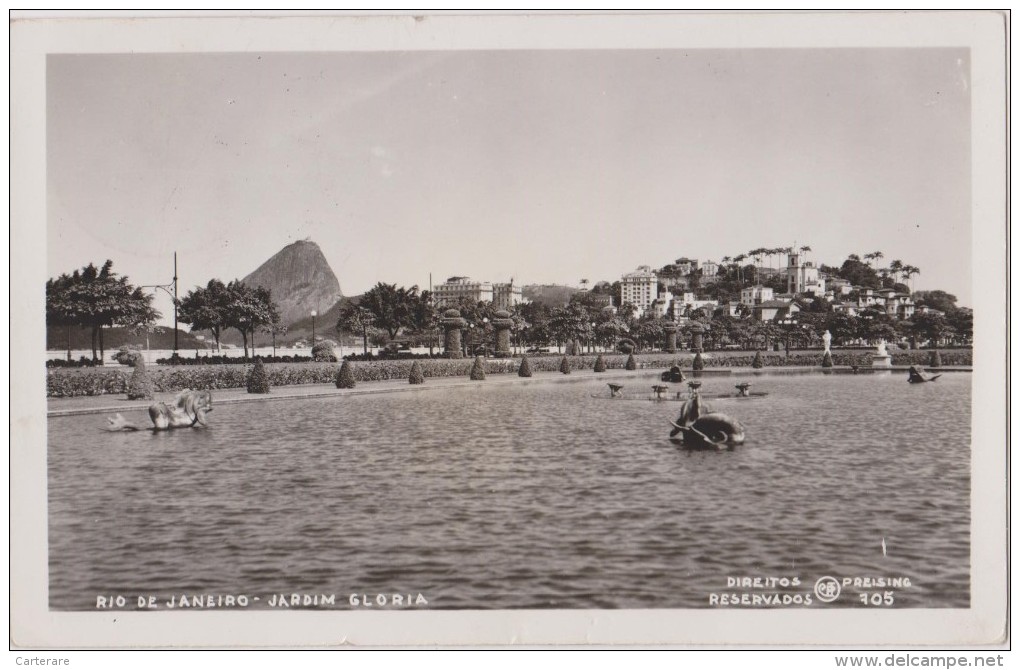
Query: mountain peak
[300, 280]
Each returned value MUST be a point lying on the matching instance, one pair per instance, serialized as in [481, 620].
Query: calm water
[523, 496]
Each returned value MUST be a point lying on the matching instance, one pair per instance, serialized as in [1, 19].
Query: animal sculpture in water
[915, 376]
[189, 409]
[703, 428]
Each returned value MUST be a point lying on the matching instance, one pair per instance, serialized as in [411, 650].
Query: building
[661, 305]
[803, 277]
[772, 310]
[639, 288]
[709, 269]
[450, 293]
[686, 266]
[753, 295]
[506, 296]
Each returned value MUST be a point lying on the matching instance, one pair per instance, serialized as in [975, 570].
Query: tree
[571, 323]
[353, 318]
[249, 309]
[60, 309]
[858, 273]
[931, 326]
[391, 307]
[940, 300]
[908, 271]
[423, 317]
[961, 320]
[206, 309]
[95, 298]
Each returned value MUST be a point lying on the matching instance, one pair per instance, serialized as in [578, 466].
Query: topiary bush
[631, 363]
[258, 380]
[140, 386]
[128, 356]
[323, 352]
[698, 363]
[525, 369]
[345, 376]
[758, 361]
[626, 346]
[600, 364]
[934, 359]
[417, 375]
[565, 365]
[478, 370]
[827, 360]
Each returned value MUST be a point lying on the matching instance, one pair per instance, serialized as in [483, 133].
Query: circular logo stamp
[827, 589]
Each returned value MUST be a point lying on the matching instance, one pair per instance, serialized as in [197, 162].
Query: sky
[541, 166]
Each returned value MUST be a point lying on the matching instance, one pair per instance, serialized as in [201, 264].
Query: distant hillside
[114, 338]
[552, 295]
[300, 280]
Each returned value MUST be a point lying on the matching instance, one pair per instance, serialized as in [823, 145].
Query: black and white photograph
[594, 329]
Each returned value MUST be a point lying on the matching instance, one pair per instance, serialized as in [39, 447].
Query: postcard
[535, 329]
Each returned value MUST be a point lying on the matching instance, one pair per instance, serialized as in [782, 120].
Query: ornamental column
[670, 328]
[452, 323]
[502, 323]
[697, 337]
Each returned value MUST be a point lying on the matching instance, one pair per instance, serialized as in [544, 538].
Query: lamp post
[314, 314]
[485, 341]
[789, 323]
[166, 288]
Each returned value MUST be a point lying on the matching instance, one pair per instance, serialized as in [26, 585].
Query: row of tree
[387, 312]
[96, 298]
[93, 298]
[217, 307]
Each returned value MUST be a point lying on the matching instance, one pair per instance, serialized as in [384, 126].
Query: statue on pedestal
[827, 340]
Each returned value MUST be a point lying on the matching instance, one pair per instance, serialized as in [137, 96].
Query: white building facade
[639, 288]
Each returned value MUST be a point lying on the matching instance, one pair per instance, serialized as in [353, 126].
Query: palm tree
[740, 268]
[908, 272]
[757, 254]
[804, 250]
[896, 267]
[873, 256]
[789, 252]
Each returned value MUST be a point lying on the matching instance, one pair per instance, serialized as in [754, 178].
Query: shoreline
[110, 403]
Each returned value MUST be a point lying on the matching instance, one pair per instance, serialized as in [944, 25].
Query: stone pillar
[697, 337]
[670, 329]
[502, 323]
[452, 322]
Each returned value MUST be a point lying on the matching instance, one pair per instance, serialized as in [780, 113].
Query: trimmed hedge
[345, 377]
[140, 386]
[128, 356]
[323, 352]
[478, 370]
[827, 360]
[258, 380]
[758, 361]
[565, 365]
[698, 363]
[934, 360]
[631, 364]
[230, 360]
[70, 382]
[525, 369]
[83, 362]
[600, 364]
[416, 376]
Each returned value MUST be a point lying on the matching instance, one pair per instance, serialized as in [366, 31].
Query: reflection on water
[533, 495]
